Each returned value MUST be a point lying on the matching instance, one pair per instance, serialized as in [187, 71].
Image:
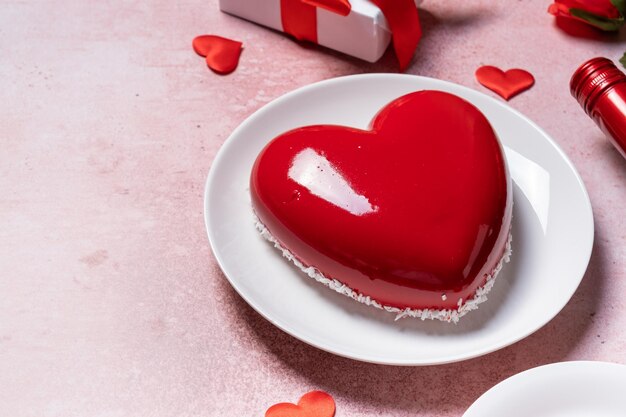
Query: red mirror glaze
[417, 207]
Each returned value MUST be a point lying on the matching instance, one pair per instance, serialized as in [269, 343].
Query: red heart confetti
[507, 84]
[312, 404]
[222, 54]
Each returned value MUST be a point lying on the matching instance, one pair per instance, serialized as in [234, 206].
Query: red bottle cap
[600, 88]
[592, 79]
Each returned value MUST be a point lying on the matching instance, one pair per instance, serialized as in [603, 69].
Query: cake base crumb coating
[447, 315]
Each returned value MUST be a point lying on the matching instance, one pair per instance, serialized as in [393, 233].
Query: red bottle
[600, 88]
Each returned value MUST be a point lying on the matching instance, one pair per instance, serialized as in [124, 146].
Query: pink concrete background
[111, 303]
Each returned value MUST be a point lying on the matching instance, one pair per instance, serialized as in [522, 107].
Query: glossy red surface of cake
[415, 208]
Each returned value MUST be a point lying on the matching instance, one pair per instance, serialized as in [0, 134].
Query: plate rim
[211, 178]
[539, 370]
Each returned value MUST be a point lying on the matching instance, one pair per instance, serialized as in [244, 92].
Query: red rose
[603, 14]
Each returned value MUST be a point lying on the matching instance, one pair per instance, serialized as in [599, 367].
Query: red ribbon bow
[299, 19]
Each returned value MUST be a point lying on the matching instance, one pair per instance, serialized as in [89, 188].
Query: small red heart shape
[312, 404]
[222, 54]
[507, 84]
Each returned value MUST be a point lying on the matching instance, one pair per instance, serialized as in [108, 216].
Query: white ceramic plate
[567, 389]
[552, 234]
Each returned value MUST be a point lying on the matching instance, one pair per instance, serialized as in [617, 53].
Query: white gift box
[363, 33]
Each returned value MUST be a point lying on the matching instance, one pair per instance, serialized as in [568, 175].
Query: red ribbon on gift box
[299, 19]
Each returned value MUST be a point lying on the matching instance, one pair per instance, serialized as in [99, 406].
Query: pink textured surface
[111, 303]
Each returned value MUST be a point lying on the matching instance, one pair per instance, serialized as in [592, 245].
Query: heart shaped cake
[412, 216]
